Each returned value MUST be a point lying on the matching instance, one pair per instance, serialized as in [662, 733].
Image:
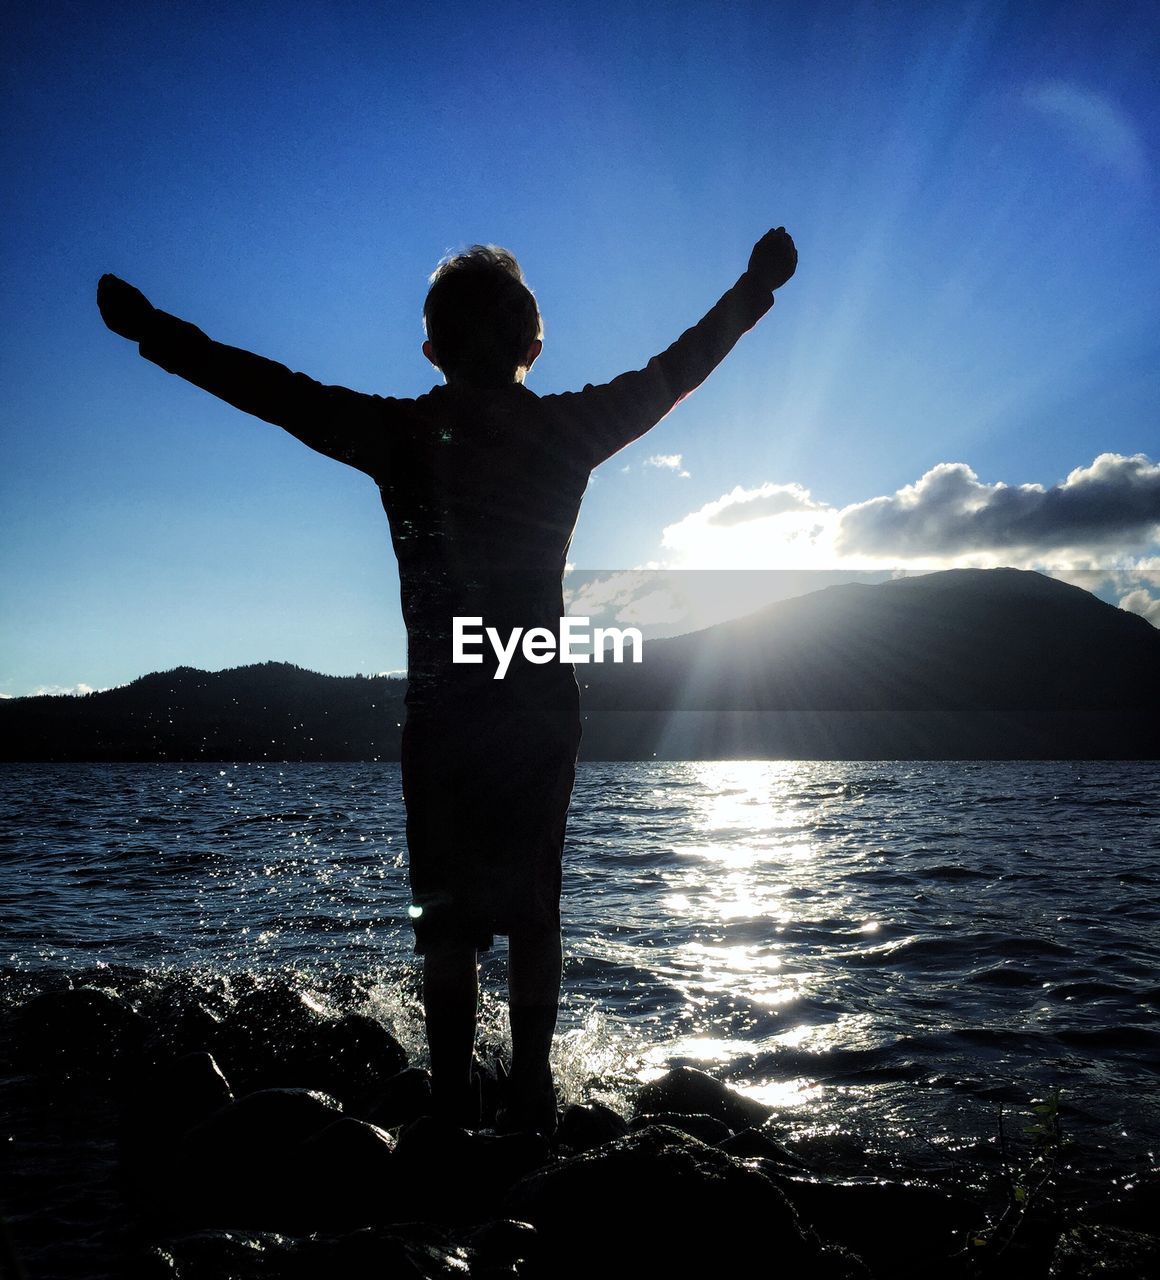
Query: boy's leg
[535, 961]
[535, 958]
[450, 999]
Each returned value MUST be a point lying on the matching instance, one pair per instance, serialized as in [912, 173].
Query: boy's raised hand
[774, 258]
[124, 309]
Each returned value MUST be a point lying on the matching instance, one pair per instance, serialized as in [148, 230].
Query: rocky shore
[265, 1135]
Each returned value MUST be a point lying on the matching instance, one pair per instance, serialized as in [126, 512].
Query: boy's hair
[480, 316]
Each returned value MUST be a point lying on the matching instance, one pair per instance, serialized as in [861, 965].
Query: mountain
[272, 711]
[964, 664]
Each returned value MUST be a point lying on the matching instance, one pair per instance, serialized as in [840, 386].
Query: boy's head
[483, 325]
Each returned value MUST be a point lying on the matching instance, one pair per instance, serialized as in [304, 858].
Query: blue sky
[964, 371]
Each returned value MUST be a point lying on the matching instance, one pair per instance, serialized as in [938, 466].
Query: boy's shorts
[487, 786]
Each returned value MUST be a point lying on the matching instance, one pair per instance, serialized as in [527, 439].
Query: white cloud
[1106, 515]
[667, 462]
[1145, 604]
[742, 505]
[772, 526]
[1094, 124]
[60, 690]
[1112, 505]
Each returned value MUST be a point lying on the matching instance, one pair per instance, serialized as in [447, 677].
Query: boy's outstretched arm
[340, 423]
[622, 410]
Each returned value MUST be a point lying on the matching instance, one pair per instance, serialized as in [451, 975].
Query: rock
[673, 1206]
[587, 1125]
[270, 1119]
[348, 1174]
[364, 1147]
[404, 1097]
[266, 1036]
[1105, 1253]
[84, 1031]
[689, 1092]
[276, 1037]
[347, 991]
[214, 1255]
[243, 1164]
[196, 1087]
[503, 1242]
[836, 1153]
[181, 1024]
[752, 1144]
[156, 1263]
[351, 1057]
[416, 1251]
[704, 1128]
[169, 1101]
[899, 1228]
[447, 1174]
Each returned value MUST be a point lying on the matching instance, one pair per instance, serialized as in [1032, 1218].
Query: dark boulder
[245, 1163]
[751, 1144]
[270, 1120]
[901, 1229]
[690, 1092]
[673, 1207]
[347, 1174]
[414, 1251]
[587, 1125]
[501, 1243]
[268, 1035]
[351, 1057]
[168, 1101]
[82, 1031]
[181, 1024]
[214, 1255]
[404, 1097]
[447, 1174]
[195, 1087]
[704, 1128]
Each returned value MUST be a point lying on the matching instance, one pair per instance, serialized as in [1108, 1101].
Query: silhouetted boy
[481, 480]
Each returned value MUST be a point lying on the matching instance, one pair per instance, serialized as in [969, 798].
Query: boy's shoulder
[487, 415]
[481, 407]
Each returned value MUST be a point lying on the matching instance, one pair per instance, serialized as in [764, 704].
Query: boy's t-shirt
[482, 487]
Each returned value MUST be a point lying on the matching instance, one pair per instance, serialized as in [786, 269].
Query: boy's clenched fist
[774, 258]
[124, 309]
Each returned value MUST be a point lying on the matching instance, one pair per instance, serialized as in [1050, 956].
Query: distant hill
[963, 664]
[272, 711]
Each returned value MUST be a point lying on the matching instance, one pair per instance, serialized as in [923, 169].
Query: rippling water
[891, 946]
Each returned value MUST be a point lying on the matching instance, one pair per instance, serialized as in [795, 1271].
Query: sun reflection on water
[753, 858]
[743, 893]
